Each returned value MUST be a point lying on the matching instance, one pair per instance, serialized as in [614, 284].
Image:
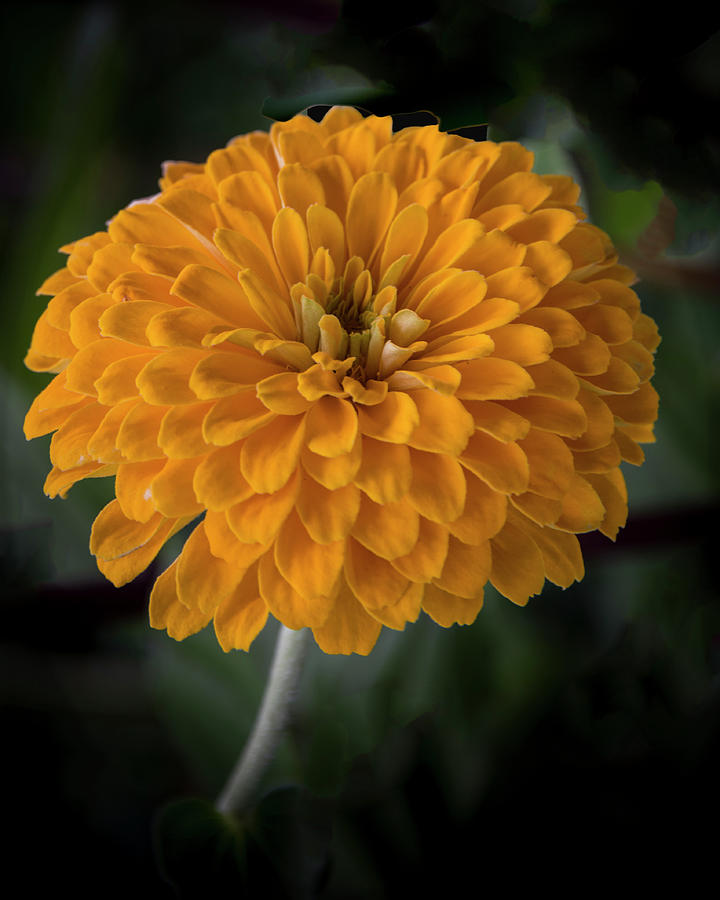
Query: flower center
[347, 319]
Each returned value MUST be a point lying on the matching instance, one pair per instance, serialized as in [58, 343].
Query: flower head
[383, 368]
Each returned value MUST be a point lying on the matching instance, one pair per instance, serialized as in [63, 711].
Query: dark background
[571, 741]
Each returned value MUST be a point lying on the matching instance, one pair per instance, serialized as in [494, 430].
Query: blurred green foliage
[587, 720]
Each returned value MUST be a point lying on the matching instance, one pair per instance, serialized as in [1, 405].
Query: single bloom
[378, 370]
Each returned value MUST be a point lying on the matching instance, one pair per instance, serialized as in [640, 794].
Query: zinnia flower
[383, 369]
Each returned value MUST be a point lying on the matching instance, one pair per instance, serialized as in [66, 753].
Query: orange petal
[518, 570]
[235, 417]
[448, 609]
[286, 604]
[385, 473]
[172, 489]
[203, 580]
[332, 427]
[241, 616]
[484, 513]
[393, 420]
[445, 425]
[271, 454]
[259, 518]
[388, 530]
[372, 580]
[168, 613]
[348, 628]
[503, 466]
[437, 490]
[328, 515]
[334, 472]
[311, 568]
[132, 487]
[218, 482]
[466, 569]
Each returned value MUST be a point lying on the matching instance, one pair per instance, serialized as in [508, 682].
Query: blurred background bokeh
[561, 741]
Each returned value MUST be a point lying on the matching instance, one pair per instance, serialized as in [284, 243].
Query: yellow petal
[550, 263]
[332, 427]
[406, 609]
[117, 383]
[553, 379]
[138, 433]
[560, 551]
[203, 580]
[328, 515]
[590, 357]
[172, 489]
[165, 380]
[640, 407]
[325, 229]
[551, 464]
[129, 321]
[610, 488]
[69, 444]
[517, 283]
[299, 187]
[132, 488]
[245, 254]
[89, 363]
[445, 425]
[493, 379]
[285, 603]
[393, 420]
[448, 609]
[169, 261]
[348, 628]
[484, 513]
[405, 236]
[426, 559]
[373, 580]
[270, 455]
[114, 535]
[181, 327]
[279, 393]
[518, 570]
[566, 417]
[84, 328]
[291, 245]
[234, 418]
[218, 294]
[181, 431]
[249, 190]
[259, 518]
[218, 482]
[503, 466]
[168, 613]
[600, 423]
[267, 304]
[582, 508]
[386, 529]
[241, 616]
[371, 209]
[385, 473]
[496, 420]
[466, 569]
[221, 374]
[334, 472]
[522, 344]
[437, 490]
[311, 568]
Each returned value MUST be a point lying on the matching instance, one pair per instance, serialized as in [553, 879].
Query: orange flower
[383, 368]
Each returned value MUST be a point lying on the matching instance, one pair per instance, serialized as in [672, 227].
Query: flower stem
[280, 692]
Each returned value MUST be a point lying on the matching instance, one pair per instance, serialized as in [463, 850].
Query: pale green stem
[280, 692]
